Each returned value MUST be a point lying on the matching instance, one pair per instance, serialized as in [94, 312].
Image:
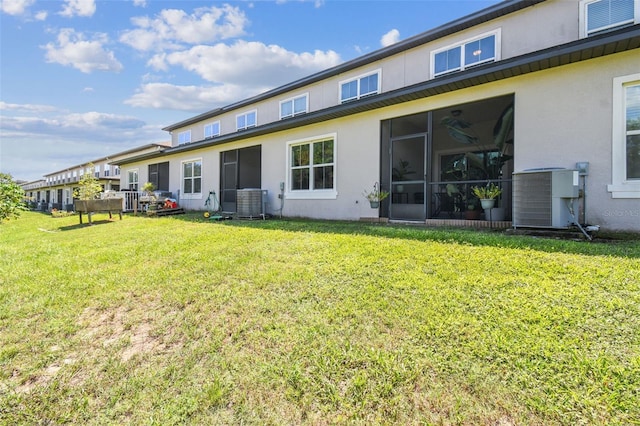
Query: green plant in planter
[402, 171]
[376, 195]
[487, 192]
[148, 189]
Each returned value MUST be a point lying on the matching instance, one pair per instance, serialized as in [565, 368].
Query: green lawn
[178, 320]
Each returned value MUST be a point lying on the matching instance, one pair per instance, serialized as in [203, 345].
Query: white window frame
[620, 186]
[584, 20]
[312, 194]
[497, 52]
[293, 100]
[184, 137]
[130, 181]
[191, 195]
[357, 79]
[210, 126]
[245, 115]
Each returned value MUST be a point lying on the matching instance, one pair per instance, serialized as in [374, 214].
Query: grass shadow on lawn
[627, 246]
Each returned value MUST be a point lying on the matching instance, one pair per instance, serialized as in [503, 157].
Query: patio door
[408, 177]
[239, 169]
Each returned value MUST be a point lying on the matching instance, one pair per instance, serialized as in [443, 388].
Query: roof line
[576, 51]
[484, 15]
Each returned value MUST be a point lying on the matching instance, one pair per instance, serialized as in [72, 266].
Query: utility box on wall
[544, 198]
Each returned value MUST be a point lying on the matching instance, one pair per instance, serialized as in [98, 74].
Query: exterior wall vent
[544, 198]
[251, 203]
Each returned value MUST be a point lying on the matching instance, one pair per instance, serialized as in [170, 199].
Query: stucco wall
[563, 116]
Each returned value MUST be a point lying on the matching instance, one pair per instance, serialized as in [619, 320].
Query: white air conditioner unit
[544, 198]
[251, 203]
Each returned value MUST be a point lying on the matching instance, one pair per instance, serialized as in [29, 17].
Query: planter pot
[495, 214]
[472, 214]
[487, 203]
[374, 204]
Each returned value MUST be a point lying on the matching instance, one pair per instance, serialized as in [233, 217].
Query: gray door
[408, 178]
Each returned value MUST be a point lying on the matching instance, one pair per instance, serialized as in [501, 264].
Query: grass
[179, 320]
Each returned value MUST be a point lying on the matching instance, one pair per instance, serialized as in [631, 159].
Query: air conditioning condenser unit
[545, 198]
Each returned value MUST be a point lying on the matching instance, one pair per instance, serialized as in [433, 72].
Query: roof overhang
[477, 18]
[580, 50]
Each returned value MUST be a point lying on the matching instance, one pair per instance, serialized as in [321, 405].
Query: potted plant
[150, 197]
[401, 172]
[487, 194]
[375, 196]
[472, 212]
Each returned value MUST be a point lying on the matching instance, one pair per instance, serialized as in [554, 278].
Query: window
[312, 167]
[603, 15]
[466, 54]
[294, 106]
[132, 179]
[184, 137]
[212, 130]
[246, 120]
[159, 175]
[192, 178]
[359, 87]
[96, 171]
[626, 138]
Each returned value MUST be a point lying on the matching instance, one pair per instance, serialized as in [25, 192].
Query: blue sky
[83, 79]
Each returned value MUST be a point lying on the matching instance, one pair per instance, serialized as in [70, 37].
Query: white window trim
[186, 132]
[194, 195]
[137, 175]
[292, 99]
[255, 111]
[583, 18]
[497, 52]
[621, 187]
[315, 194]
[212, 124]
[357, 78]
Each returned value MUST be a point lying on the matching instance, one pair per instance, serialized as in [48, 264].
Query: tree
[11, 198]
[88, 187]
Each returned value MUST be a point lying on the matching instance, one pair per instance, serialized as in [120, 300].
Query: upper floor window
[246, 120]
[602, 15]
[212, 130]
[359, 87]
[625, 182]
[184, 137]
[294, 106]
[471, 52]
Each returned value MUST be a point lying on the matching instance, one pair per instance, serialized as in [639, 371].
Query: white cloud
[140, 3]
[53, 139]
[15, 7]
[252, 64]
[73, 49]
[390, 38]
[172, 28]
[41, 15]
[35, 108]
[75, 125]
[187, 98]
[78, 8]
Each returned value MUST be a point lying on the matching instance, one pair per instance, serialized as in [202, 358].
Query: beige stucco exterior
[563, 115]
